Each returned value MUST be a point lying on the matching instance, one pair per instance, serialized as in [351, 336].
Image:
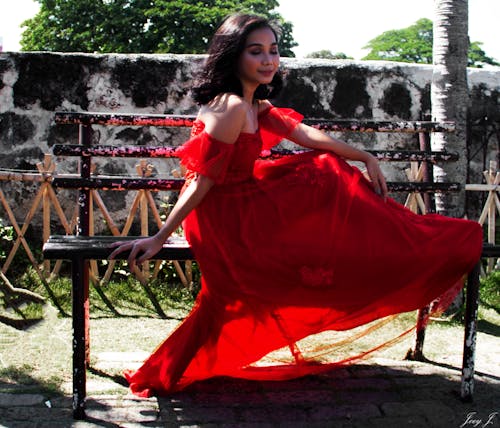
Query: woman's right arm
[145, 248]
[225, 124]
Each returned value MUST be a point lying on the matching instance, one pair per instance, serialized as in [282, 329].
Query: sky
[337, 25]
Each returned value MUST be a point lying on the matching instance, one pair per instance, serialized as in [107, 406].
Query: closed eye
[258, 52]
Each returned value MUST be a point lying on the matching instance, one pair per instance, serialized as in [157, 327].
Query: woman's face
[260, 59]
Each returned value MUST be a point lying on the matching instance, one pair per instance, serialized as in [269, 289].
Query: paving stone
[304, 424]
[337, 373]
[195, 414]
[362, 397]
[284, 414]
[395, 422]
[255, 415]
[364, 372]
[9, 400]
[398, 409]
[431, 408]
[299, 397]
[25, 413]
[229, 399]
[376, 384]
[356, 411]
[123, 414]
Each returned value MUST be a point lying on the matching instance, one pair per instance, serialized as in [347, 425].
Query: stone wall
[34, 85]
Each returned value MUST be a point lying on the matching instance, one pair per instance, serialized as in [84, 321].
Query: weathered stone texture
[34, 85]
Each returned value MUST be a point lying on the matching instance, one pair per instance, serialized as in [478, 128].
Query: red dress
[293, 247]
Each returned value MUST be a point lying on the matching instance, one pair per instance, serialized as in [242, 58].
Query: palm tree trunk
[449, 96]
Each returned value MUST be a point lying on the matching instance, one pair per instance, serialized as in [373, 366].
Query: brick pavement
[382, 393]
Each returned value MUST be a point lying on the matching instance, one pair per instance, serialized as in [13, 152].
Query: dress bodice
[234, 163]
[244, 153]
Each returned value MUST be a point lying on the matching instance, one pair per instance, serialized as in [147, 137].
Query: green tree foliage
[477, 57]
[135, 26]
[414, 44]
[327, 54]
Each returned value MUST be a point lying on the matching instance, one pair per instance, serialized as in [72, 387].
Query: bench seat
[70, 247]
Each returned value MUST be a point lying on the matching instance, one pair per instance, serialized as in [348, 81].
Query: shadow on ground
[416, 394]
[385, 393]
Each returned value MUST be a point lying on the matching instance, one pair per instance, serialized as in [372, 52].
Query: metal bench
[83, 247]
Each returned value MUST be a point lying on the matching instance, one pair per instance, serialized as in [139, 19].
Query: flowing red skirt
[304, 247]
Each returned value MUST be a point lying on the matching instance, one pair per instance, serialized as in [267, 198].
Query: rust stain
[114, 151]
[167, 120]
[125, 119]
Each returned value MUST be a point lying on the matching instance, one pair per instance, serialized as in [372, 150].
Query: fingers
[375, 175]
[379, 183]
[385, 189]
[135, 247]
[136, 253]
[382, 188]
[146, 255]
[140, 251]
[120, 248]
[137, 257]
[131, 258]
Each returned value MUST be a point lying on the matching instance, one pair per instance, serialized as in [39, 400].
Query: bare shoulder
[264, 105]
[224, 117]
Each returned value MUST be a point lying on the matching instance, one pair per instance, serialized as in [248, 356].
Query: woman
[287, 248]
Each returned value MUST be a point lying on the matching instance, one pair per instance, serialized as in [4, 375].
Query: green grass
[122, 295]
[490, 291]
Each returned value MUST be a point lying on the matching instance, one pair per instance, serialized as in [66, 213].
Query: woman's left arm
[313, 138]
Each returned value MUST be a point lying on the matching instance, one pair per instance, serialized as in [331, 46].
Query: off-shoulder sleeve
[276, 124]
[207, 156]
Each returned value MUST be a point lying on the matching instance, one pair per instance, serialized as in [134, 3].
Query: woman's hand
[140, 250]
[376, 176]
[145, 248]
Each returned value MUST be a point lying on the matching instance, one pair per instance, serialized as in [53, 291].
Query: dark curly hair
[219, 73]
